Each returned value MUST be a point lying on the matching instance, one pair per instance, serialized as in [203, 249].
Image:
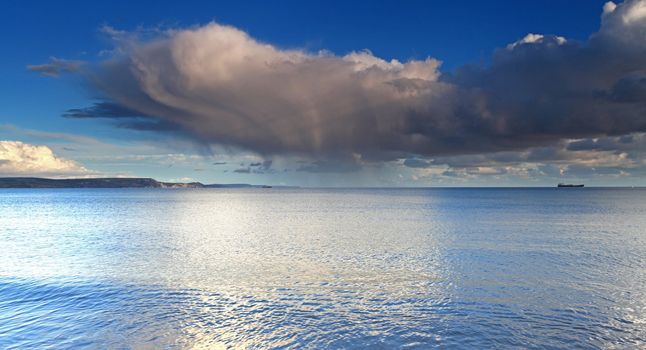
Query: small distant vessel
[569, 185]
[266, 186]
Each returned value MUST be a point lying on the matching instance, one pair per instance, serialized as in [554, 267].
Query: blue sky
[455, 33]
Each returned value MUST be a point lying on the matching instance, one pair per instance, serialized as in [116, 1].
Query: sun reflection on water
[320, 268]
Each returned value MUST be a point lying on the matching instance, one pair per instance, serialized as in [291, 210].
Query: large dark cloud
[219, 85]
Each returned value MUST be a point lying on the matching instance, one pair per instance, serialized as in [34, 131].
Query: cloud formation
[222, 86]
[219, 85]
[610, 157]
[23, 159]
[56, 66]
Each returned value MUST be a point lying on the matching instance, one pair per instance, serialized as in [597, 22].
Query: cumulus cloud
[222, 86]
[219, 85]
[23, 159]
[56, 66]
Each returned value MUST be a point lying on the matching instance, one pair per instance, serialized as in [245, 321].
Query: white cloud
[609, 7]
[532, 38]
[635, 13]
[23, 159]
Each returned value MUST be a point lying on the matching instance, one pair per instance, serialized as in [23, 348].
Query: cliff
[116, 182]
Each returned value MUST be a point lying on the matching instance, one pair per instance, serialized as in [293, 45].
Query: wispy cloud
[242, 171]
[56, 66]
[57, 136]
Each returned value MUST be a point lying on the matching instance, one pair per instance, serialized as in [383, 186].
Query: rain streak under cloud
[528, 111]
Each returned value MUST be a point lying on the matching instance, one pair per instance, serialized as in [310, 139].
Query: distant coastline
[109, 182]
[143, 182]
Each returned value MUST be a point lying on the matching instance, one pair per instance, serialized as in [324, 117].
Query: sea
[454, 268]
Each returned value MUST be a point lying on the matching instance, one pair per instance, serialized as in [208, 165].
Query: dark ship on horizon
[569, 185]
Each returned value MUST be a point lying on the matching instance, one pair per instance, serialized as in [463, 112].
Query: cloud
[266, 164]
[242, 171]
[102, 109]
[22, 159]
[124, 117]
[329, 166]
[617, 157]
[603, 144]
[222, 86]
[56, 66]
[54, 136]
[532, 38]
[219, 85]
[262, 166]
[416, 163]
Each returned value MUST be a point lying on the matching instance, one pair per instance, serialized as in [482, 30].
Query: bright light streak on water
[447, 268]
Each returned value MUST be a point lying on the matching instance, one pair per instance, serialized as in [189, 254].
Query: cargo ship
[569, 185]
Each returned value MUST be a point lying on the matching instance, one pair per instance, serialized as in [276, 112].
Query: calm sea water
[273, 268]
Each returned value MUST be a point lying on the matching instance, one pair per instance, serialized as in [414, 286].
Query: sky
[326, 93]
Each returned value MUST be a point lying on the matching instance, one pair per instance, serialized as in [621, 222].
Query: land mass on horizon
[109, 182]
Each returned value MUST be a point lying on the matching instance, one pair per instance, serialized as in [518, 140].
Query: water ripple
[412, 269]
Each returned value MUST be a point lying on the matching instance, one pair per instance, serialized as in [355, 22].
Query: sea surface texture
[323, 269]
